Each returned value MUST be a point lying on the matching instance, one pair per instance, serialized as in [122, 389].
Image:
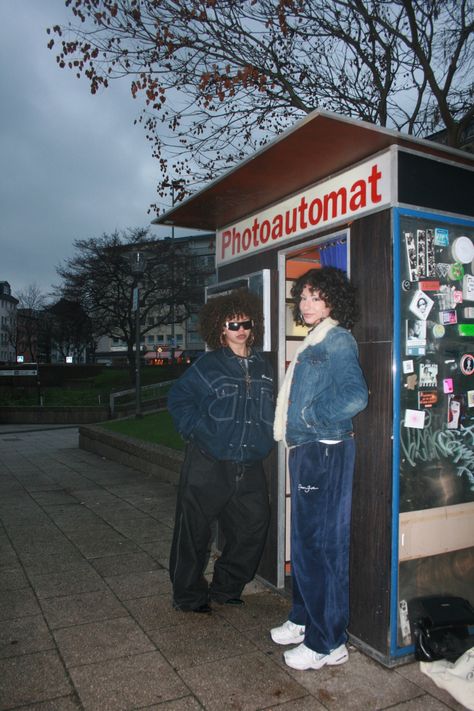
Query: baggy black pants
[235, 495]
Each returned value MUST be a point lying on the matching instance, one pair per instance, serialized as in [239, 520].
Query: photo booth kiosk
[397, 213]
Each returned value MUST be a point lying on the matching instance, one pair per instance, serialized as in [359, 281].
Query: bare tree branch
[219, 78]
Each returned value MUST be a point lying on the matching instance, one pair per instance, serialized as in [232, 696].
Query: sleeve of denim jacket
[349, 393]
[184, 398]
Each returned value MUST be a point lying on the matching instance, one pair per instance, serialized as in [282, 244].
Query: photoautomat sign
[363, 188]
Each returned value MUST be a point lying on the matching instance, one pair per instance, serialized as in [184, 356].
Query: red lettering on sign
[295, 219]
[226, 240]
[316, 206]
[246, 239]
[359, 195]
[265, 230]
[277, 230]
[333, 198]
[373, 179]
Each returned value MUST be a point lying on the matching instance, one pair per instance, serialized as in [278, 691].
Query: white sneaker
[288, 633]
[302, 657]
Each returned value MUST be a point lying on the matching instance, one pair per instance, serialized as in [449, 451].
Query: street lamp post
[173, 307]
[138, 264]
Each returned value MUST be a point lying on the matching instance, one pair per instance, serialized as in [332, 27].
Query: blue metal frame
[397, 213]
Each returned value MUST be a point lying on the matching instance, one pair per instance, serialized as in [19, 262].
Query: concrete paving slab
[18, 603]
[141, 584]
[361, 683]
[188, 703]
[246, 682]
[53, 498]
[158, 550]
[143, 530]
[122, 564]
[70, 518]
[66, 703]
[156, 611]
[83, 578]
[192, 645]
[422, 703]
[52, 562]
[97, 546]
[31, 678]
[127, 683]
[80, 609]
[8, 557]
[98, 641]
[306, 703]
[24, 635]
[12, 578]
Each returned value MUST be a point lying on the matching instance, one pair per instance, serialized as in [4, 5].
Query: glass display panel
[436, 444]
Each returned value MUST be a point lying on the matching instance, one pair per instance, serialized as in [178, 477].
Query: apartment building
[8, 305]
[162, 340]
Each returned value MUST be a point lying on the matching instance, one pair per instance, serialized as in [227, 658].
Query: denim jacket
[327, 389]
[211, 405]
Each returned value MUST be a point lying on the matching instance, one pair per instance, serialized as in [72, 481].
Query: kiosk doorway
[330, 250]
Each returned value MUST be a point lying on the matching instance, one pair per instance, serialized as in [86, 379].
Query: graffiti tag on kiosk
[426, 445]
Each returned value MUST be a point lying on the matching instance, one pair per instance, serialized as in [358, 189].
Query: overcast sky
[73, 165]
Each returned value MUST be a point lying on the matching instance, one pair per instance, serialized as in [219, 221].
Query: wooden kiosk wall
[371, 539]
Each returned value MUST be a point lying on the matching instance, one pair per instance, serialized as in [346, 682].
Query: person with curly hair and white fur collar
[323, 389]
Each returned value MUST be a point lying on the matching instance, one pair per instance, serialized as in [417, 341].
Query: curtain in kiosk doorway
[334, 254]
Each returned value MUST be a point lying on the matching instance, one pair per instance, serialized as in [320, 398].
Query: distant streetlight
[138, 266]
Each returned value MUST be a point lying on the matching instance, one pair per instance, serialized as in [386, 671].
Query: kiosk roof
[315, 148]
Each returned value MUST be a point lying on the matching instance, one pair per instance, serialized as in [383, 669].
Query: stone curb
[154, 459]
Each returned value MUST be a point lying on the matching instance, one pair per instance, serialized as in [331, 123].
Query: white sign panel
[357, 191]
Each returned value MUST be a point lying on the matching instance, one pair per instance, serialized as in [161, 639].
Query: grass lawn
[157, 428]
[87, 391]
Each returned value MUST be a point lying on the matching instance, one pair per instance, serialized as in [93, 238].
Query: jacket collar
[319, 332]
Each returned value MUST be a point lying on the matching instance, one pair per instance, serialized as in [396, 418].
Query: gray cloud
[73, 165]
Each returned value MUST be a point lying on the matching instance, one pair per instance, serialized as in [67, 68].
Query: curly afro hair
[334, 288]
[226, 307]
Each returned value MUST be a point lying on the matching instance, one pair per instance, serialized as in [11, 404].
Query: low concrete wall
[162, 462]
[53, 415]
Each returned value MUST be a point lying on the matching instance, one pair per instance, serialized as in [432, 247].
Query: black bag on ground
[440, 627]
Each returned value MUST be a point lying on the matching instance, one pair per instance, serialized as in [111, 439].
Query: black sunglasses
[235, 325]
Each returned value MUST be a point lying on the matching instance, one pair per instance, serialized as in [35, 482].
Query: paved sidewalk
[85, 614]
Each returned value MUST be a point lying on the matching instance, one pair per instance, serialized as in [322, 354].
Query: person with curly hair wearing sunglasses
[223, 406]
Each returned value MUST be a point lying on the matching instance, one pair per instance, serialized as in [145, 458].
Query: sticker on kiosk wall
[467, 364]
[448, 318]
[462, 250]
[421, 304]
[456, 271]
[441, 237]
[448, 385]
[454, 412]
[427, 398]
[468, 287]
[415, 418]
[408, 367]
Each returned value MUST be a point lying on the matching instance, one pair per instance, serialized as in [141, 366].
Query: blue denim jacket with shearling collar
[327, 390]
